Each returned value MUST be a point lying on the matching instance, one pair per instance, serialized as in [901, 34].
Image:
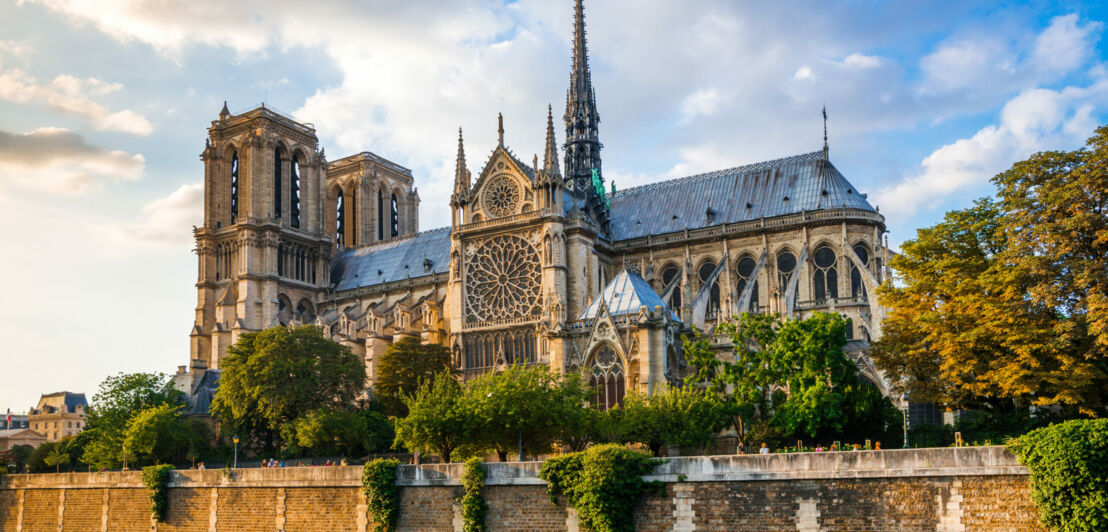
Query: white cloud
[1035, 120]
[1065, 45]
[58, 161]
[166, 221]
[701, 103]
[70, 95]
[803, 73]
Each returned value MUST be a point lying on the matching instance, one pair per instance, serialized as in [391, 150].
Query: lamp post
[236, 440]
[904, 399]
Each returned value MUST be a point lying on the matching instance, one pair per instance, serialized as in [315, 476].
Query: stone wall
[979, 488]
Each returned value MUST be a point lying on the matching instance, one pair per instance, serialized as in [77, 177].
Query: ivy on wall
[474, 506]
[381, 493]
[156, 479]
[1069, 473]
[604, 483]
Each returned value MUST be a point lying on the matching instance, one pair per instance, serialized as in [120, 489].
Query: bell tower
[262, 252]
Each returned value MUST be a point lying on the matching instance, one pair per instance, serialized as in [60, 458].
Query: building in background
[12, 437]
[13, 421]
[58, 415]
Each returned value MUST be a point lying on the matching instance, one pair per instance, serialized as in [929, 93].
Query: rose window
[502, 280]
[502, 196]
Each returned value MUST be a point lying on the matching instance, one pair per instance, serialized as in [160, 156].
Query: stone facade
[58, 415]
[541, 264]
[934, 489]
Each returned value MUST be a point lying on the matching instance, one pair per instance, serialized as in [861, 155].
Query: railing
[497, 221]
[832, 301]
[263, 109]
[522, 320]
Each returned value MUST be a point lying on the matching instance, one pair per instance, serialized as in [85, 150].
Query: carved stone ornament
[502, 280]
[501, 197]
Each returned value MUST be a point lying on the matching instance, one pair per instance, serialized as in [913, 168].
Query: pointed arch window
[394, 218]
[786, 264]
[857, 287]
[380, 215]
[234, 186]
[340, 218]
[669, 275]
[745, 270]
[294, 191]
[353, 202]
[606, 378]
[705, 273]
[825, 279]
[277, 183]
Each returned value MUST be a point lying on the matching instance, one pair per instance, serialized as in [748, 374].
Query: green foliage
[437, 419]
[36, 462]
[685, 417]
[474, 507]
[604, 484]
[273, 377]
[405, 365]
[20, 456]
[120, 397]
[346, 432]
[56, 458]
[1008, 300]
[159, 434]
[381, 493]
[1069, 473]
[156, 479]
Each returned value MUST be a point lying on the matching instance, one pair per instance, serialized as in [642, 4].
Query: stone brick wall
[944, 490]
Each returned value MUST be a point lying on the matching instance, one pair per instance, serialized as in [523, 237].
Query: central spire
[582, 159]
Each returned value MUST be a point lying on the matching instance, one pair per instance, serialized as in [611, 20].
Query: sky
[104, 107]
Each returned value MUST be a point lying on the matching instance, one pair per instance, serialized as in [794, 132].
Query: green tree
[404, 366]
[347, 432]
[36, 462]
[56, 458]
[118, 399]
[685, 417]
[21, 454]
[272, 377]
[437, 419]
[159, 434]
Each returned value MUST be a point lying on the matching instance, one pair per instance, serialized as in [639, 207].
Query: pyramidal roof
[627, 293]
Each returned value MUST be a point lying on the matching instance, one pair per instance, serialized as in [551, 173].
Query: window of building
[849, 329]
[857, 287]
[277, 182]
[234, 186]
[395, 218]
[825, 281]
[380, 215]
[607, 379]
[786, 263]
[670, 275]
[352, 201]
[483, 350]
[705, 273]
[340, 218]
[294, 191]
[745, 270]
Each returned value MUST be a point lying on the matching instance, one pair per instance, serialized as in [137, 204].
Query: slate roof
[626, 293]
[394, 260]
[71, 400]
[204, 391]
[743, 193]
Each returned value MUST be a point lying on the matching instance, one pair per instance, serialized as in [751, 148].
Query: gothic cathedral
[541, 264]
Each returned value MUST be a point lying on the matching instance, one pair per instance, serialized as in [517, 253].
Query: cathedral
[543, 263]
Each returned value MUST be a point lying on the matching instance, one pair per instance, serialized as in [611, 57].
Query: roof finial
[461, 174]
[224, 113]
[500, 129]
[550, 157]
[825, 147]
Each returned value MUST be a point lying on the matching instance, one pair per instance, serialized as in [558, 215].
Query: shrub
[474, 507]
[604, 484]
[156, 479]
[1069, 473]
[381, 494]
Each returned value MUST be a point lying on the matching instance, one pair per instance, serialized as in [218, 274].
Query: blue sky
[104, 107]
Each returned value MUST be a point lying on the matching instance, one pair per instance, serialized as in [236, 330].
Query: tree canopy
[119, 399]
[405, 364]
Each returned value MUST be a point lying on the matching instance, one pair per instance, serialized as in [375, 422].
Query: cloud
[1035, 120]
[166, 221]
[70, 95]
[58, 161]
[700, 103]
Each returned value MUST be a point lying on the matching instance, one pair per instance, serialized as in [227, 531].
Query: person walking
[764, 449]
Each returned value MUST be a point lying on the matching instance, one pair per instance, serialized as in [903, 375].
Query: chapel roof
[419, 255]
[806, 182]
[626, 293]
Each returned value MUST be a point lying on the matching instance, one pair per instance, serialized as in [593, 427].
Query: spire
[461, 174]
[500, 129]
[550, 158]
[583, 174]
[825, 147]
[581, 80]
[224, 113]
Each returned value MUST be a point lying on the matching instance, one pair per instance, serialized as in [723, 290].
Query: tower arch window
[705, 273]
[606, 378]
[745, 269]
[380, 215]
[857, 287]
[277, 183]
[294, 191]
[825, 280]
[352, 201]
[786, 264]
[340, 218]
[234, 186]
[669, 275]
[394, 220]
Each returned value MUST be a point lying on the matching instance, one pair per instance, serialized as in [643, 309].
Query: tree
[404, 366]
[685, 417]
[159, 434]
[348, 432]
[119, 398]
[437, 420]
[21, 454]
[56, 458]
[272, 377]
